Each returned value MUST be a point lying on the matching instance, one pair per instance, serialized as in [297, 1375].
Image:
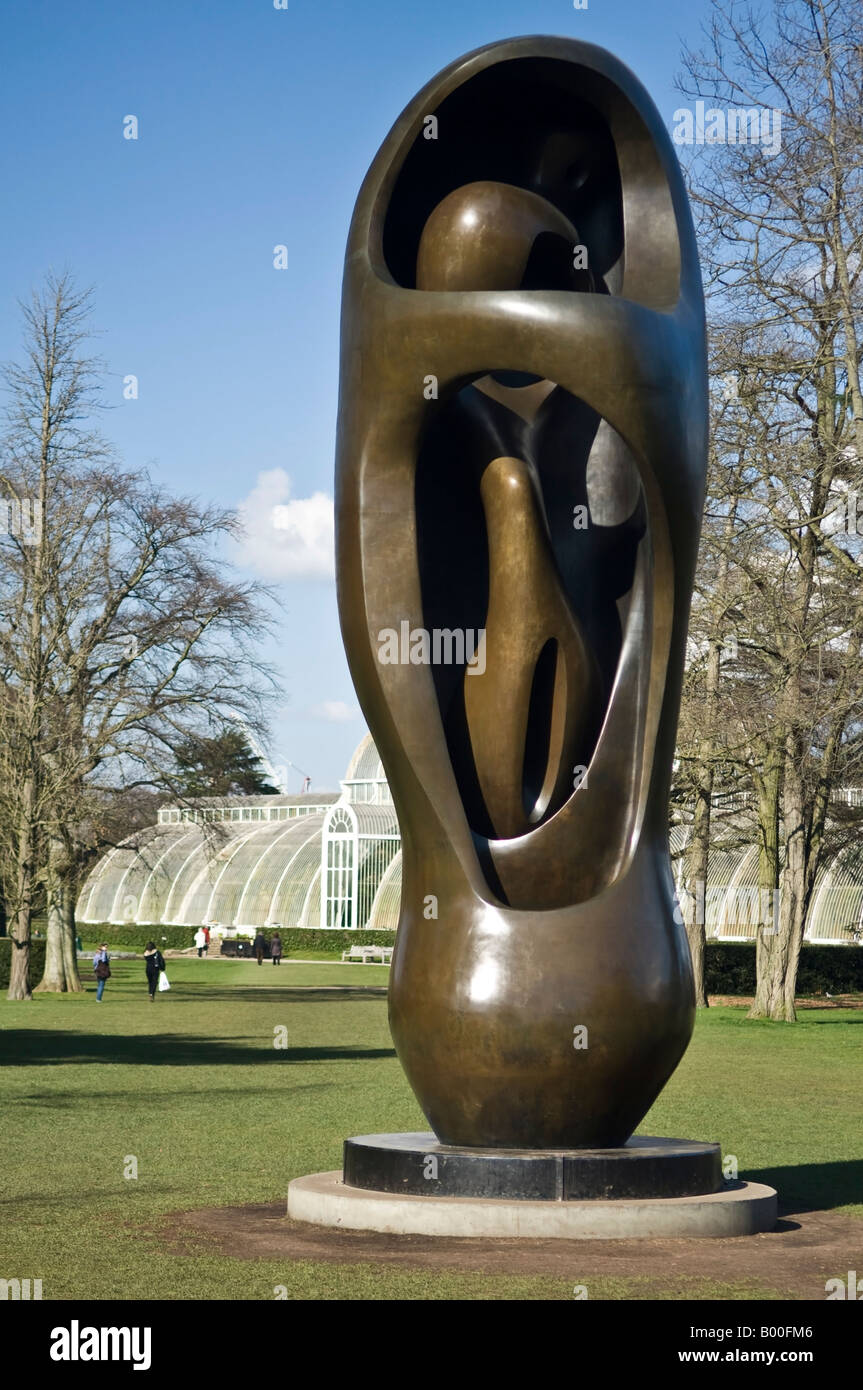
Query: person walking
[200, 941]
[276, 948]
[206, 930]
[259, 947]
[102, 970]
[154, 963]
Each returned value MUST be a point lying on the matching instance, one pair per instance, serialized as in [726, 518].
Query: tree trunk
[796, 876]
[19, 971]
[70, 931]
[772, 962]
[697, 858]
[54, 975]
[777, 983]
[61, 968]
[769, 958]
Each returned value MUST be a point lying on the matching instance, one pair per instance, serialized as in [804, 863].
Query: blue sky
[256, 127]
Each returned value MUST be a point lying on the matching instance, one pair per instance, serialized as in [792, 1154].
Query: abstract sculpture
[521, 465]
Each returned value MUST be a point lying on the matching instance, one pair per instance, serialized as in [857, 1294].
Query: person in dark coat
[260, 946]
[154, 963]
[276, 948]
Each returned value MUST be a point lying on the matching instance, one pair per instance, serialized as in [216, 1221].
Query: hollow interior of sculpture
[530, 523]
[529, 506]
[535, 124]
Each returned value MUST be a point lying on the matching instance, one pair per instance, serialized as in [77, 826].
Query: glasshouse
[245, 862]
[732, 905]
[334, 861]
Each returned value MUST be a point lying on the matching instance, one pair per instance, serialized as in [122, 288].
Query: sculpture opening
[525, 123]
[530, 522]
[511, 465]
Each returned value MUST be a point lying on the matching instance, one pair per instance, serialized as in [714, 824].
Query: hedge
[37, 961]
[180, 938]
[313, 939]
[729, 968]
[129, 934]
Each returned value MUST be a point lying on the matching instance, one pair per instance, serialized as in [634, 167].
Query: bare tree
[782, 234]
[706, 755]
[122, 631]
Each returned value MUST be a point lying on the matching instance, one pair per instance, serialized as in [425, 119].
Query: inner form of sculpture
[522, 455]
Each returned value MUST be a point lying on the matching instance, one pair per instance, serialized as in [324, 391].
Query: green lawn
[194, 1089]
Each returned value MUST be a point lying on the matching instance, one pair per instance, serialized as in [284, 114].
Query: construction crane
[307, 781]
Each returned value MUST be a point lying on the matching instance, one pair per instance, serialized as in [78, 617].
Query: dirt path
[794, 1260]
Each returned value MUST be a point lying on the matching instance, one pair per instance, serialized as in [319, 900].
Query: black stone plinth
[417, 1165]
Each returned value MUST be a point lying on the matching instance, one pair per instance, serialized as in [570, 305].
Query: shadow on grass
[814, 1186]
[33, 1047]
[827, 1016]
[65, 1100]
[291, 994]
[51, 1199]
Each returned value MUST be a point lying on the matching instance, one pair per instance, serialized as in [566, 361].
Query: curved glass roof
[365, 765]
[836, 913]
[241, 874]
[255, 868]
[387, 903]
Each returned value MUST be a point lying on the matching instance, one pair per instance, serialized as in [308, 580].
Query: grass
[193, 1088]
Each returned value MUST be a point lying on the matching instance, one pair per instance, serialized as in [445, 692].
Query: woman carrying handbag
[102, 970]
[154, 964]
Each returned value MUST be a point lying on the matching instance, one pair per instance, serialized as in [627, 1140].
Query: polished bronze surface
[521, 461]
[480, 237]
[529, 626]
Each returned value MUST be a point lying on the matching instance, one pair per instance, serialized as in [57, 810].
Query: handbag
[164, 982]
[102, 970]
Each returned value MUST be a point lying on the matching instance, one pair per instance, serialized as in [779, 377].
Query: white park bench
[362, 953]
[369, 954]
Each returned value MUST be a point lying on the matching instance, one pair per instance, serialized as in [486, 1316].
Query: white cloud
[287, 537]
[334, 712]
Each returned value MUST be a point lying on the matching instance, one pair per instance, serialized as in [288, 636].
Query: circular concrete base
[741, 1209]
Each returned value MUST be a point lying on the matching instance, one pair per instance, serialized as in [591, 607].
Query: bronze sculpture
[521, 454]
